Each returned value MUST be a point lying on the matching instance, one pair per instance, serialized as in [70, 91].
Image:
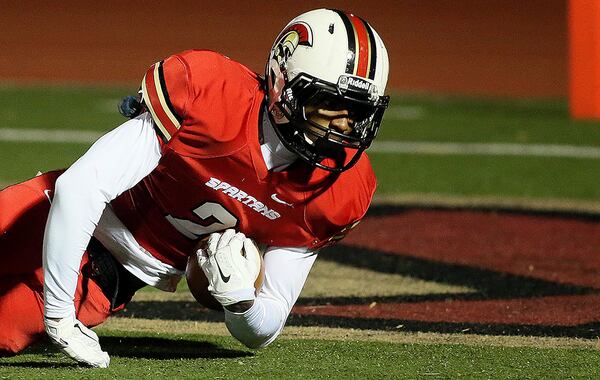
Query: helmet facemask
[314, 141]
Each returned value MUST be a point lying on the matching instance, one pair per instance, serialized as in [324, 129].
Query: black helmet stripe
[350, 58]
[373, 45]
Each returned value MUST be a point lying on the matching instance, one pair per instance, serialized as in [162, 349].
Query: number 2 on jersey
[215, 217]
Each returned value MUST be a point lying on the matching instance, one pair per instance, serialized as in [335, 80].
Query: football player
[210, 147]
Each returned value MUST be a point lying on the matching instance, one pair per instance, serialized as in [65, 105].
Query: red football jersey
[212, 175]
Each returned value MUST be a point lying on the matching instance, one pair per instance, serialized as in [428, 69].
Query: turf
[415, 118]
[58, 107]
[529, 177]
[147, 355]
[486, 120]
[23, 160]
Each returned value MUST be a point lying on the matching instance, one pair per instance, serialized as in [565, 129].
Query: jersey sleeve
[200, 101]
[165, 91]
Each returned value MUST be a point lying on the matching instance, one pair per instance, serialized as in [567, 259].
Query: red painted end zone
[531, 269]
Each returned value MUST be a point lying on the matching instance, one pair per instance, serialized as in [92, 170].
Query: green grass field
[186, 352]
[192, 356]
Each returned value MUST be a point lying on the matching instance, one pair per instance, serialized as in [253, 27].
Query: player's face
[335, 118]
[338, 119]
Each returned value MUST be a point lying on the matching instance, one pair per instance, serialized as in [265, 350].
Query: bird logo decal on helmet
[284, 47]
[289, 39]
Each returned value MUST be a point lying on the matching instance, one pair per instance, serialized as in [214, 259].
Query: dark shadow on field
[583, 331]
[127, 347]
[162, 348]
[53, 358]
[171, 310]
[393, 209]
[489, 284]
[178, 310]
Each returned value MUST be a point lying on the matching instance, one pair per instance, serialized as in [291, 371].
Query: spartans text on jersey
[242, 197]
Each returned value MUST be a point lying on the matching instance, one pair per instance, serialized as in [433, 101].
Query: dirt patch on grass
[330, 279]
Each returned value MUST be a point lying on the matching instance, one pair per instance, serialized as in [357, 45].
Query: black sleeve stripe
[161, 78]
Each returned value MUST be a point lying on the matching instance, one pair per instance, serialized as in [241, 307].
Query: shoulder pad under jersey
[200, 96]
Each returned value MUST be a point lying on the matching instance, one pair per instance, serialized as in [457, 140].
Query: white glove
[231, 263]
[77, 341]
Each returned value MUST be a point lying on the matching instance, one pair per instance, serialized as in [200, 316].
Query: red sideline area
[547, 311]
[563, 250]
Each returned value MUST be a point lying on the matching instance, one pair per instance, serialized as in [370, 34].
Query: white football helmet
[331, 59]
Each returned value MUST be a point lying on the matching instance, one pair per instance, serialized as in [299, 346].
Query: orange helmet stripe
[363, 52]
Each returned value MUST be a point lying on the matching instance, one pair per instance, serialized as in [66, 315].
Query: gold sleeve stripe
[158, 102]
[163, 96]
[161, 129]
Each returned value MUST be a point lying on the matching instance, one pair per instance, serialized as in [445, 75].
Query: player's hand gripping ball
[226, 265]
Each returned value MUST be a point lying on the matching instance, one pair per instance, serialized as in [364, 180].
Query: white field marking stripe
[418, 147]
[49, 135]
[86, 137]
[404, 113]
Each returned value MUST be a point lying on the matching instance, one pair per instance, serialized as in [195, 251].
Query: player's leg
[21, 321]
[92, 305]
[22, 305]
[24, 210]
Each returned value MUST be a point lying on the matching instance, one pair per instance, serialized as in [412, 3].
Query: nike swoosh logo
[276, 199]
[223, 277]
[47, 194]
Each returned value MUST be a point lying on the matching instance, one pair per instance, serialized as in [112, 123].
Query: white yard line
[488, 202]
[489, 149]
[48, 135]
[395, 147]
[405, 113]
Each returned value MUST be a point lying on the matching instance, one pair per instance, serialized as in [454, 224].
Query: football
[198, 283]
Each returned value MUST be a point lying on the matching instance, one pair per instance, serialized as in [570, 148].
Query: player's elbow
[255, 338]
[76, 182]
[257, 341]
[259, 326]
